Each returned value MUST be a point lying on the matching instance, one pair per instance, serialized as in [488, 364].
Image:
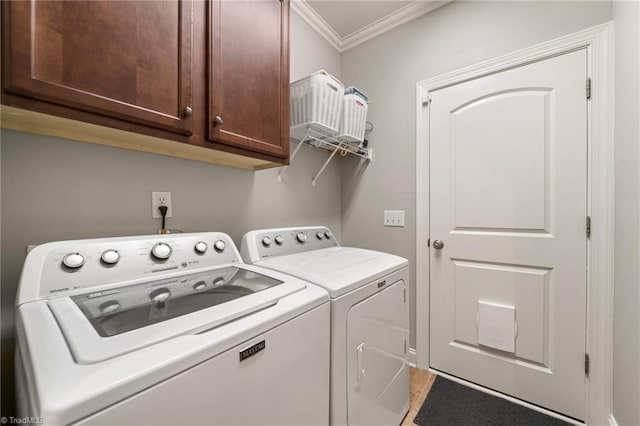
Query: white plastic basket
[316, 101]
[354, 119]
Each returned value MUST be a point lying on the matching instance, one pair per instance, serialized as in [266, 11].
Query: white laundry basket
[316, 101]
[354, 117]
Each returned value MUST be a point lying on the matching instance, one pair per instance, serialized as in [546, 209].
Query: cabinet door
[249, 75]
[129, 60]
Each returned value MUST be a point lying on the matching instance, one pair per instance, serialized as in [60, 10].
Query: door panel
[509, 201]
[517, 188]
[128, 60]
[377, 372]
[249, 75]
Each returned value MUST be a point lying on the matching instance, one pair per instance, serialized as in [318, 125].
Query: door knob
[437, 244]
[218, 120]
[187, 112]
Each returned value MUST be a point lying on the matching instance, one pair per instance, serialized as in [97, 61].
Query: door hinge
[428, 242]
[588, 87]
[586, 365]
[588, 226]
[405, 295]
[405, 347]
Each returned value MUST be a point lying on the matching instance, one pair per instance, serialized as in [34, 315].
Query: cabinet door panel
[249, 75]
[129, 60]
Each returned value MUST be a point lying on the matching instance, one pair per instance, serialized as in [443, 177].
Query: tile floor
[420, 384]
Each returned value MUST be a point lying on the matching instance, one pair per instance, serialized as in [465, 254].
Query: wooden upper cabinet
[129, 60]
[249, 75]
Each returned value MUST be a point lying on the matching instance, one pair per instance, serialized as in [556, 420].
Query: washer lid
[104, 324]
[337, 269]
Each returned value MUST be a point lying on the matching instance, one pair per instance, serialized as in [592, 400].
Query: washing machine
[369, 317]
[168, 329]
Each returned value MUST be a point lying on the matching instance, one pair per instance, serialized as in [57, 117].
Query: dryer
[369, 317]
[168, 329]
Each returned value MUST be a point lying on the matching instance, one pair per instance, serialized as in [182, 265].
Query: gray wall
[387, 68]
[309, 51]
[55, 189]
[626, 321]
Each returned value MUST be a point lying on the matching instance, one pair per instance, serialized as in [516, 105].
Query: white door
[508, 197]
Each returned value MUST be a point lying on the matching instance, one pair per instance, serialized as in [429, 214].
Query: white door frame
[598, 41]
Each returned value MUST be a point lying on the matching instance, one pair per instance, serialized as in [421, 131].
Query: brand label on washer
[252, 350]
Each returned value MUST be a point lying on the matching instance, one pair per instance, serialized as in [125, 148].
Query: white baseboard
[412, 357]
[612, 420]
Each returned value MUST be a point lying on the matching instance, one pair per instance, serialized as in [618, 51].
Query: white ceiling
[347, 23]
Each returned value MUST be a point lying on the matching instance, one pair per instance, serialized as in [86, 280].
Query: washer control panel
[73, 265]
[265, 243]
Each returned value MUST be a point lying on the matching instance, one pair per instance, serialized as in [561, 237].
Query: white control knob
[110, 257]
[109, 307]
[200, 285]
[302, 237]
[74, 260]
[319, 235]
[327, 234]
[279, 240]
[219, 245]
[160, 296]
[201, 247]
[161, 251]
[266, 241]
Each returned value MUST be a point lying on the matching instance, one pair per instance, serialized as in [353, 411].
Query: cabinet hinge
[586, 365]
[588, 87]
[588, 226]
[405, 347]
[405, 295]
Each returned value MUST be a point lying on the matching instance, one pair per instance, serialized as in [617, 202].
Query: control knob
[219, 246]
[266, 241]
[74, 260]
[301, 237]
[279, 240]
[327, 234]
[161, 251]
[319, 235]
[201, 247]
[200, 285]
[110, 257]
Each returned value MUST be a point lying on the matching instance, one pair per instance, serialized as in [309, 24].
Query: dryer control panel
[264, 243]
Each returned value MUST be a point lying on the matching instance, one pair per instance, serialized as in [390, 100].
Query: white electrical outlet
[160, 199]
[393, 218]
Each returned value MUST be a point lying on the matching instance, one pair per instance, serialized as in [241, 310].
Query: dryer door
[377, 371]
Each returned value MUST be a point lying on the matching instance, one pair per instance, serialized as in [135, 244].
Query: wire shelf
[319, 138]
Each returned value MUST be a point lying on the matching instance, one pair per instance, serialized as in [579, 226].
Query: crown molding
[372, 30]
[317, 22]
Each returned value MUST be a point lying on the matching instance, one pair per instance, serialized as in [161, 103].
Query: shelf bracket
[326, 163]
[293, 155]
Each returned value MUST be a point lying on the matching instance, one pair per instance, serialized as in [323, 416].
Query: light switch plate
[393, 218]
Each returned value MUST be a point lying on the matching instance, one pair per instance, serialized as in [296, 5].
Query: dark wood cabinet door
[130, 60]
[249, 75]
